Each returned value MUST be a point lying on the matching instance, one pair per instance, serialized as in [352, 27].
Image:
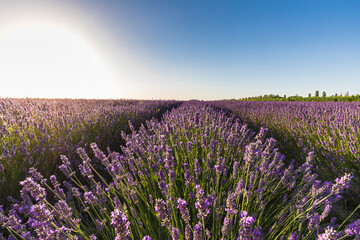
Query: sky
[178, 49]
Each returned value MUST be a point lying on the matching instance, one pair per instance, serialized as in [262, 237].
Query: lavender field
[36, 132]
[330, 129]
[178, 170]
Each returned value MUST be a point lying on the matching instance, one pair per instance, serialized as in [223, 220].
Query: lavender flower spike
[329, 234]
[161, 210]
[198, 231]
[202, 203]
[245, 230]
[341, 184]
[354, 229]
[34, 189]
[227, 225]
[183, 209]
[121, 224]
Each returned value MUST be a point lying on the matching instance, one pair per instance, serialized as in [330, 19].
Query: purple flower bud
[231, 203]
[162, 187]
[40, 213]
[34, 173]
[341, 184]
[175, 233]
[33, 188]
[121, 224]
[202, 203]
[63, 210]
[161, 210]
[227, 225]
[353, 229]
[198, 231]
[188, 232]
[294, 236]
[329, 234]
[183, 210]
[90, 198]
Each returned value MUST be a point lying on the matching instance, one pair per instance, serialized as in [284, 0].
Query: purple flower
[219, 167]
[90, 198]
[188, 232]
[227, 225]
[197, 168]
[314, 221]
[245, 226]
[146, 238]
[161, 175]
[65, 167]
[341, 184]
[231, 203]
[250, 152]
[202, 203]
[329, 234]
[183, 210]
[33, 188]
[100, 224]
[294, 236]
[198, 231]
[235, 172]
[207, 233]
[353, 229]
[100, 155]
[187, 176]
[161, 210]
[326, 211]
[34, 173]
[151, 199]
[163, 187]
[175, 234]
[172, 175]
[62, 209]
[121, 224]
[41, 213]
[85, 168]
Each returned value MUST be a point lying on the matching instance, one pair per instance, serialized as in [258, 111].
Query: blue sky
[219, 49]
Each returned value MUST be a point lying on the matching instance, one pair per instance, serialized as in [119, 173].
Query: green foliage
[297, 98]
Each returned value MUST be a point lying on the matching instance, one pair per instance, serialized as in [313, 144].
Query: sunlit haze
[178, 49]
[40, 59]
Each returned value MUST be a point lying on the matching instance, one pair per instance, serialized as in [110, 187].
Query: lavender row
[330, 129]
[197, 174]
[35, 132]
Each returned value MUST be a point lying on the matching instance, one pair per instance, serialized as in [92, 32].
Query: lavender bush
[197, 174]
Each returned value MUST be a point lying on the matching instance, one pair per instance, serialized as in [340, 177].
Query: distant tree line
[323, 98]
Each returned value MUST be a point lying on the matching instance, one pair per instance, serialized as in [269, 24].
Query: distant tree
[317, 93]
[324, 94]
[309, 95]
[347, 94]
[284, 95]
[336, 95]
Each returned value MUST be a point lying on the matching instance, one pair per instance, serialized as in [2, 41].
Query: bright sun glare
[39, 59]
